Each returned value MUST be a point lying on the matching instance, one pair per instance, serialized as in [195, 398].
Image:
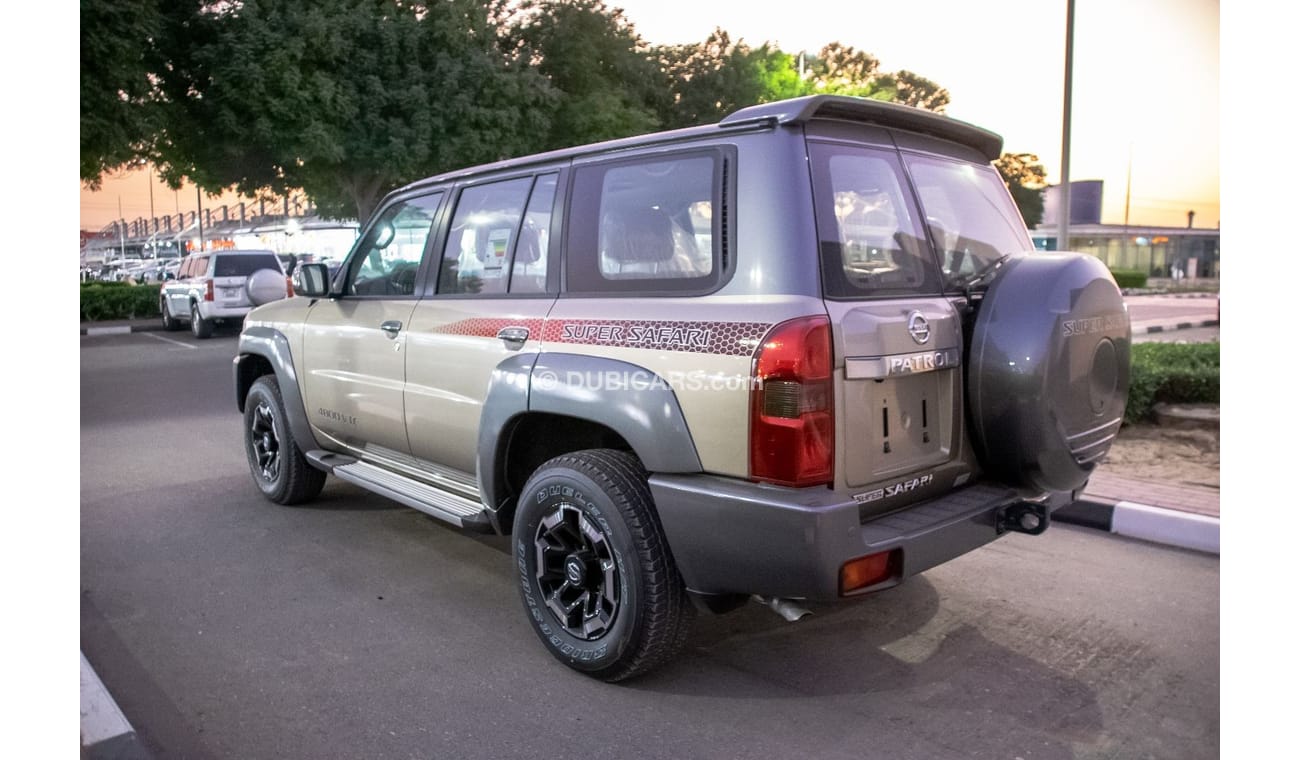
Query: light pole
[1063, 223]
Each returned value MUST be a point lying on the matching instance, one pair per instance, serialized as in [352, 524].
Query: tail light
[209, 294]
[792, 421]
[288, 287]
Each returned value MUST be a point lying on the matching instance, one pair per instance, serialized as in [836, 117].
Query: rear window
[970, 214]
[245, 264]
[871, 240]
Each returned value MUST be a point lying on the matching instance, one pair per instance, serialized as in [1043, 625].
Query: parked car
[220, 286]
[802, 354]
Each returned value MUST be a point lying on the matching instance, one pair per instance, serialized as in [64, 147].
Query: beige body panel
[711, 382]
[452, 350]
[353, 372]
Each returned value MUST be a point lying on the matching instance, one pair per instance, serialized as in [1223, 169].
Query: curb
[1143, 521]
[105, 732]
[1175, 326]
[119, 329]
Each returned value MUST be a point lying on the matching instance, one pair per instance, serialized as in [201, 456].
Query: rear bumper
[729, 536]
[212, 310]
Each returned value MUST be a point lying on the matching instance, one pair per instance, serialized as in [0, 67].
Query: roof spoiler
[801, 110]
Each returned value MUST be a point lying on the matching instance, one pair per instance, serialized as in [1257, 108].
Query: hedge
[118, 300]
[1129, 278]
[1173, 373]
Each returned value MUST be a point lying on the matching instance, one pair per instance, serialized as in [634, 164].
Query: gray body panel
[647, 415]
[733, 537]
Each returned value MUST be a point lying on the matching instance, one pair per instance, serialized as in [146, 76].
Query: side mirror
[313, 281]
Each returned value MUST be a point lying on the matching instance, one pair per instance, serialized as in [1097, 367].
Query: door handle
[513, 337]
[391, 327]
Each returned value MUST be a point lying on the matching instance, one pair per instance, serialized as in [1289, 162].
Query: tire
[587, 540]
[202, 328]
[1048, 371]
[170, 323]
[278, 466]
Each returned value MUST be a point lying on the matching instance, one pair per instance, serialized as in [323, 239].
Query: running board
[457, 510]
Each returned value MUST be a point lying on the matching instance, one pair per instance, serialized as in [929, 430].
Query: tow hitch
[1024, 517]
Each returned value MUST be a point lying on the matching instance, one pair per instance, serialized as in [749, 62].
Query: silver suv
[216, 286]
[802, 354]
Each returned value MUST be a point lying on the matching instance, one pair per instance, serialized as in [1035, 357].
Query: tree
[710, 79]
[915, 90]
[345, 100]
[844, 70]
[607, 85]
[116, 123]
[1026, 179]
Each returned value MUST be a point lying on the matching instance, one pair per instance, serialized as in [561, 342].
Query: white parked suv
[221, 285]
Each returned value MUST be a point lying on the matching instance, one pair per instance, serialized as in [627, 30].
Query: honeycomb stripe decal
[724, 338]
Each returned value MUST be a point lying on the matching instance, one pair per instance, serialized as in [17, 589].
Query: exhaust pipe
[786, 608]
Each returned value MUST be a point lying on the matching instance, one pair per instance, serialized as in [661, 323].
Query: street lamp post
[1063, 222]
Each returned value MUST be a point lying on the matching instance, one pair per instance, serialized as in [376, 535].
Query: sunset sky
[1146, 82]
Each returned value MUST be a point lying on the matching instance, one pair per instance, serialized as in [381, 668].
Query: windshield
[970, 216]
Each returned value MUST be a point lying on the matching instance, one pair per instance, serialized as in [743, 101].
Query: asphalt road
[227, 627]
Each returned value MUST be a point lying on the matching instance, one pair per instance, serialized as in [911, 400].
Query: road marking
[170, 340]
[122, 330]
[101, 719]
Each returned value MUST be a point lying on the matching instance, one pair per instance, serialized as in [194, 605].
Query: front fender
[257, 344]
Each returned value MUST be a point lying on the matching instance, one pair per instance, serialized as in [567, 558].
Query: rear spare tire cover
[265, 286]
[1049, 370]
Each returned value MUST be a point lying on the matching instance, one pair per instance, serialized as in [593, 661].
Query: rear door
[354, 342]
[496, 283]
[899, 395]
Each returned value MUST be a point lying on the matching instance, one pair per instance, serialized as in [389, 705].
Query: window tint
[871, 242]
[646, 226]
[971, 217]
[198, 266]
[387, 260]
[244, 264]
[528, 274]
[476, 259]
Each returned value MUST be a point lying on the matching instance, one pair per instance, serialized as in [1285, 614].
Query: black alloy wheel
[279, 468]
[576, 572]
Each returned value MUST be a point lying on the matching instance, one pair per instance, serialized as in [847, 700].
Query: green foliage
[118, 300]
[345, 100]
[604, 81]
[116, 120]
[709, 80]
[1173, 373]
[1129, 278]
[1026, 178]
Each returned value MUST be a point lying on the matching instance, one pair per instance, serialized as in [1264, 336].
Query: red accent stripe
[725, 338]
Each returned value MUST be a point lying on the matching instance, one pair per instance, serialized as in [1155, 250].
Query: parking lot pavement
[227, 627]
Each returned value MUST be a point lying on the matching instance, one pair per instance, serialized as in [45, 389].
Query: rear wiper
[980, 275]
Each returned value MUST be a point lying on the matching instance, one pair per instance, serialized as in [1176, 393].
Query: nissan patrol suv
[801, 354]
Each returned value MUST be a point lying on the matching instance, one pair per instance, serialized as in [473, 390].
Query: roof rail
[801, 110]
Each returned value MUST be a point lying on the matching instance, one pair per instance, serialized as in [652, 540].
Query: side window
[483, 234]
[387, 260]
[184, 271]
[648, 225]
[528, 274]
[199, 266]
